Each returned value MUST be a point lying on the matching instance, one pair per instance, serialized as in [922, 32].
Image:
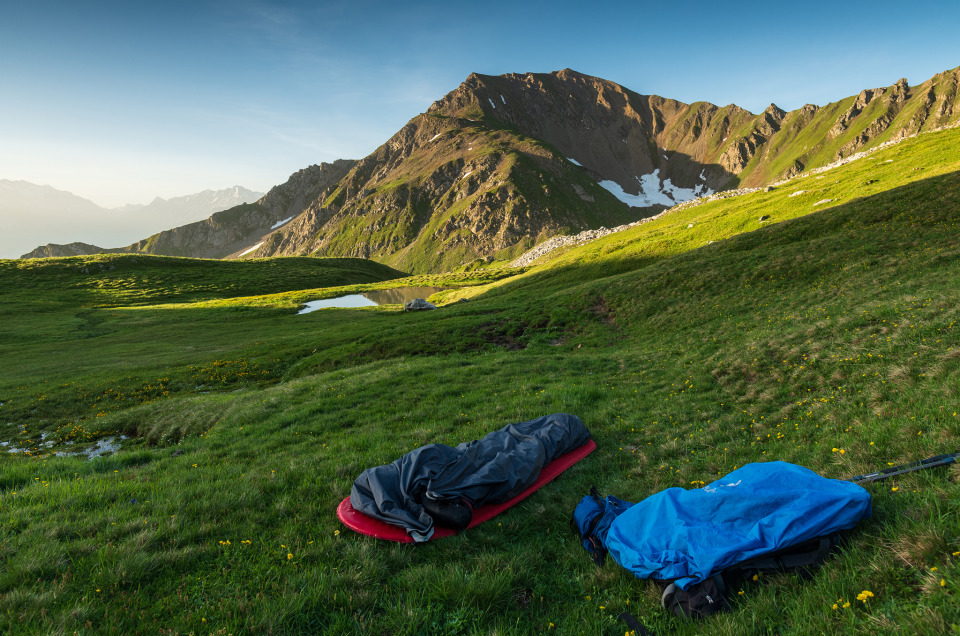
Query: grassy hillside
[826, 336]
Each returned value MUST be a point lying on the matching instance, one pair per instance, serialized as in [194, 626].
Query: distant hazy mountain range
[32, 214]
[505, 162]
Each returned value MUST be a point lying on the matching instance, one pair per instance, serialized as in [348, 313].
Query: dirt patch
[503, 335]
[602, 312]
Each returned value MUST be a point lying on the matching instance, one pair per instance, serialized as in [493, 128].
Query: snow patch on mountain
[280, 223]
[255, 247]
[654, 191]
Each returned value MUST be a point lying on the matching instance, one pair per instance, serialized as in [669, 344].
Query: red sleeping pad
[379, 530]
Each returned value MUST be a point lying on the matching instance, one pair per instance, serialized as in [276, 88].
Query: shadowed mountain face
[504, 162]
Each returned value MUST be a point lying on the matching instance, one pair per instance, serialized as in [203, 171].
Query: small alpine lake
[372, 298]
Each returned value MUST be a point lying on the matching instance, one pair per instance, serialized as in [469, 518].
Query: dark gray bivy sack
[485, 471]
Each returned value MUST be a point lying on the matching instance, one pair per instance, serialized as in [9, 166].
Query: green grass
[831, 328]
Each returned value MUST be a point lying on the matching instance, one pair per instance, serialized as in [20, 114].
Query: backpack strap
[805, 556]
[701, 599]
[634, 625]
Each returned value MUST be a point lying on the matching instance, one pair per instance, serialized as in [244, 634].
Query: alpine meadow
[178, 437]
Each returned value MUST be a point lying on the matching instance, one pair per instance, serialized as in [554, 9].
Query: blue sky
[119, 102]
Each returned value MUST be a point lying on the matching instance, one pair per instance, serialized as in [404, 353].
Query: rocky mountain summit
[503, 163]
[620, 135]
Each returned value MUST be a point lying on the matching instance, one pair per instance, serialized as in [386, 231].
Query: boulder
[418, 304]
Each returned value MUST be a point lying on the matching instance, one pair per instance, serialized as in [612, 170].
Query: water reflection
[353, 300]
[401, 295]
[376, 297]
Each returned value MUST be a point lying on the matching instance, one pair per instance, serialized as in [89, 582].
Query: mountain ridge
[504, 162]
[24, 206]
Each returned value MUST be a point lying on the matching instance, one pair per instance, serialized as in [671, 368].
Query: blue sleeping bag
[686, 536]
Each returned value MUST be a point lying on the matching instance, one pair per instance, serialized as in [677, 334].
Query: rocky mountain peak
[775, 111]
[900, 90]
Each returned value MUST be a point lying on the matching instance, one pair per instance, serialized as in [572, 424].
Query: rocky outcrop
[303, 188]
[861, 102]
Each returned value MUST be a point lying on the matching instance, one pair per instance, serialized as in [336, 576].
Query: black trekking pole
[923, 464]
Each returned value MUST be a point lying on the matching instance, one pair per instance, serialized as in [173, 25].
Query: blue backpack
[760, 517]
